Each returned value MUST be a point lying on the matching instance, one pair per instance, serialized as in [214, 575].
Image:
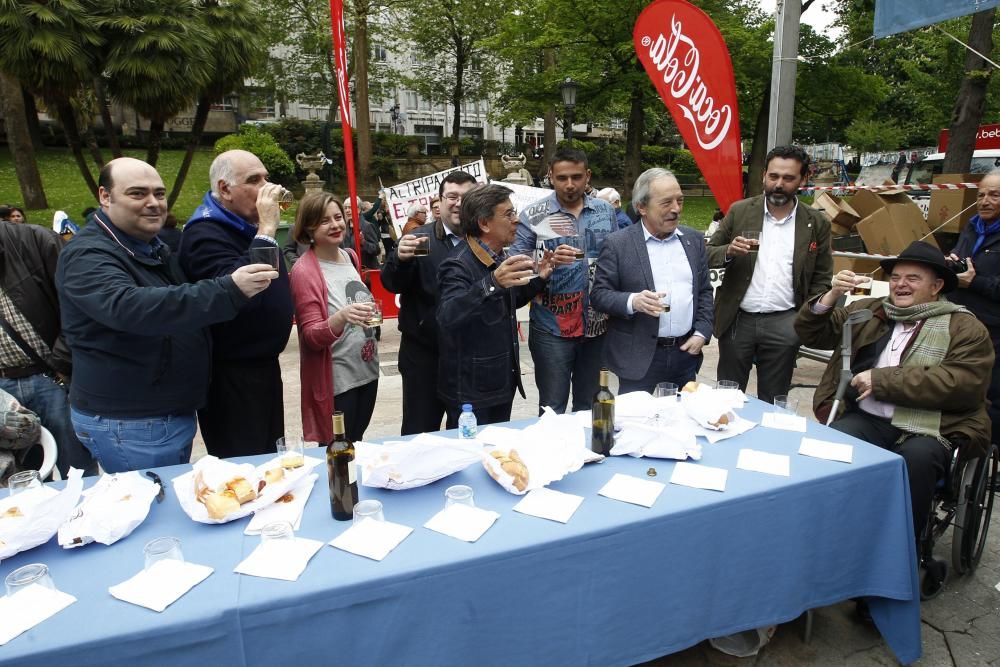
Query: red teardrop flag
[686, 58]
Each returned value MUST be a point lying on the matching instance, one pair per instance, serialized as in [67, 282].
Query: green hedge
[263, 145]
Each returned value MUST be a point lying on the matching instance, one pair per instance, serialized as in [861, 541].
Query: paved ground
[961, 627]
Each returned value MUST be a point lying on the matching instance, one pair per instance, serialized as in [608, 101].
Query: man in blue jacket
[136, 328]
[245, 410]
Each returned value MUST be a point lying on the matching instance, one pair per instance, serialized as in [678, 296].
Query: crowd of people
[154, 338]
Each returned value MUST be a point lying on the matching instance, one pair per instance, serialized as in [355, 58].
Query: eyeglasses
[511, 214]
[453, 197]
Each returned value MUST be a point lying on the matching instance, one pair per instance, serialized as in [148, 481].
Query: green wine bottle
[603, 416]
[341, 471]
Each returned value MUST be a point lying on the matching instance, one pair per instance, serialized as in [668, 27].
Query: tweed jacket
[956, 387]
[812, 264]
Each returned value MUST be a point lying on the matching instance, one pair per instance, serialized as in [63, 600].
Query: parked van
[923, 172]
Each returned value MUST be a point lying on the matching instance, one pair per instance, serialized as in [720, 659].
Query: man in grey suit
[652, 279]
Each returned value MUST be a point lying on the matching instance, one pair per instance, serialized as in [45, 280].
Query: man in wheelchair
[921, 367]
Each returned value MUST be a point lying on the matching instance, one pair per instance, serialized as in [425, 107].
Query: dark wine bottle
[341, 471]
[603, 417]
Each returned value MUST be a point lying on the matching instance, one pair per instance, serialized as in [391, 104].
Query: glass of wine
[753, 238]
[291, 453]
[375, 317]
[863, 284]
[285, 199]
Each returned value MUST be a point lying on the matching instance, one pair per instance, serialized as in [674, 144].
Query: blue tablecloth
[617, 585]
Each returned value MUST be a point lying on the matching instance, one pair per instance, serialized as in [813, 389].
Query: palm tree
[50, 46]
[158, 59]
[236, 33]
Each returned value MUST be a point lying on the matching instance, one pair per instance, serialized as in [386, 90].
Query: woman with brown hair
[338, 354]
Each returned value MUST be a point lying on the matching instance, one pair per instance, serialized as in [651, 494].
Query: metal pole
[783, 68]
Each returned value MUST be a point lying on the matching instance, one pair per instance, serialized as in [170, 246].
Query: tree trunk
[758, 150]
[362, 124]
[19, 142]
[968, 110]
[95, 151]
[633, 141]
[197, 129]
[549, 58]
[456, 97]
[31, 117]
[68, 120]
[155, 138]
[109, 126]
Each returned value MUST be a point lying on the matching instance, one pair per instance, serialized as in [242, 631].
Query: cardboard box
[837, 230]
[847, 243]
[837, 209]
[888, 231]
[856, 265]
[890, 222]
[947, 204]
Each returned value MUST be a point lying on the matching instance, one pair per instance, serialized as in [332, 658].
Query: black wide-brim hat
[926, 254]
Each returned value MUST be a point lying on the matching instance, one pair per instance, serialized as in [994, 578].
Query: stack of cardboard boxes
[877, 223]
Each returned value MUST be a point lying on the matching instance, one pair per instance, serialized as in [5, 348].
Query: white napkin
[699, 476]
[462, 522]
[736, 426]
[29, 607]
[282, 511]
[42, 514]
[784, 422]
[822, 449]
[407, 464]
[673, 440]
[111, 510]
[165, 582]
[279, 559]
[772, 464]
[549, 504]
[371, 539]
[633, 490]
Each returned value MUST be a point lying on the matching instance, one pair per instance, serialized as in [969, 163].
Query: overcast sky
[817, 15]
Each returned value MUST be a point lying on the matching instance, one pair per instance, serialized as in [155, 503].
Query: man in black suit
[415, 279]
[652, 279]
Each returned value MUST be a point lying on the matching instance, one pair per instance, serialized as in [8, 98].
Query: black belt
[21, 372]
[671, 341]
[770, 312]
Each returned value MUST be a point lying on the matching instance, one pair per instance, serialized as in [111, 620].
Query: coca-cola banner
[687, 59]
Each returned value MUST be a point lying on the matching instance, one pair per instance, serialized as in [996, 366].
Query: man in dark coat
[245, 410]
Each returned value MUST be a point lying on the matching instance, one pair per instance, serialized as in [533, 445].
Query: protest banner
[421, 190]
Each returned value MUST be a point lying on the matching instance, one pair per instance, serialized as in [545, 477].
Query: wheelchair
[964, 499]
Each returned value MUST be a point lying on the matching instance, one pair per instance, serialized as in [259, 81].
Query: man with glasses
[245, 410]
[415, 278]
[566, 336]
[481, 289]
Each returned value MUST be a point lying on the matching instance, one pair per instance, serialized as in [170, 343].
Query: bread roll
[242, 489]
[221, 505]
[274, 475]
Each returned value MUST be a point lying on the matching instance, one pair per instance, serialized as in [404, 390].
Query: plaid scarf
[929, 349]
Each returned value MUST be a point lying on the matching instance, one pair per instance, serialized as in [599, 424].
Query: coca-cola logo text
[684, 83]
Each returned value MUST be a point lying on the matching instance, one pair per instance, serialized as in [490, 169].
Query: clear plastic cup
[459, 494]
[22, 577]
[162, 548]
[368, 509]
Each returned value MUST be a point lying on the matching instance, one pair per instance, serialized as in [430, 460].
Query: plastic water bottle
[467, 425]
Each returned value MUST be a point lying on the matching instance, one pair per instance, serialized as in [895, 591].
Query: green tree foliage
[263, 145]
[867, 135]
[449, 39]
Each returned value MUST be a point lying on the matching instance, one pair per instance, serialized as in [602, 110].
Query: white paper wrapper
[551, 448]
[111, 509]
[674, 440]
[401, 465]
[43, 510]
[707, 406]
[216, 473]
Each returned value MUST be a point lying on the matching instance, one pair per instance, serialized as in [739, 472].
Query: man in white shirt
[777, 256]
[652, 279]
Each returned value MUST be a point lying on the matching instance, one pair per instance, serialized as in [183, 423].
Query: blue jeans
[136, 444]
[562, 361]
[40, 394]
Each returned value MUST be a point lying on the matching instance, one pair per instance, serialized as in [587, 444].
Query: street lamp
[568, 89]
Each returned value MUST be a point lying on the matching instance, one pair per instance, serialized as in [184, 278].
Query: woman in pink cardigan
[338, 355]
